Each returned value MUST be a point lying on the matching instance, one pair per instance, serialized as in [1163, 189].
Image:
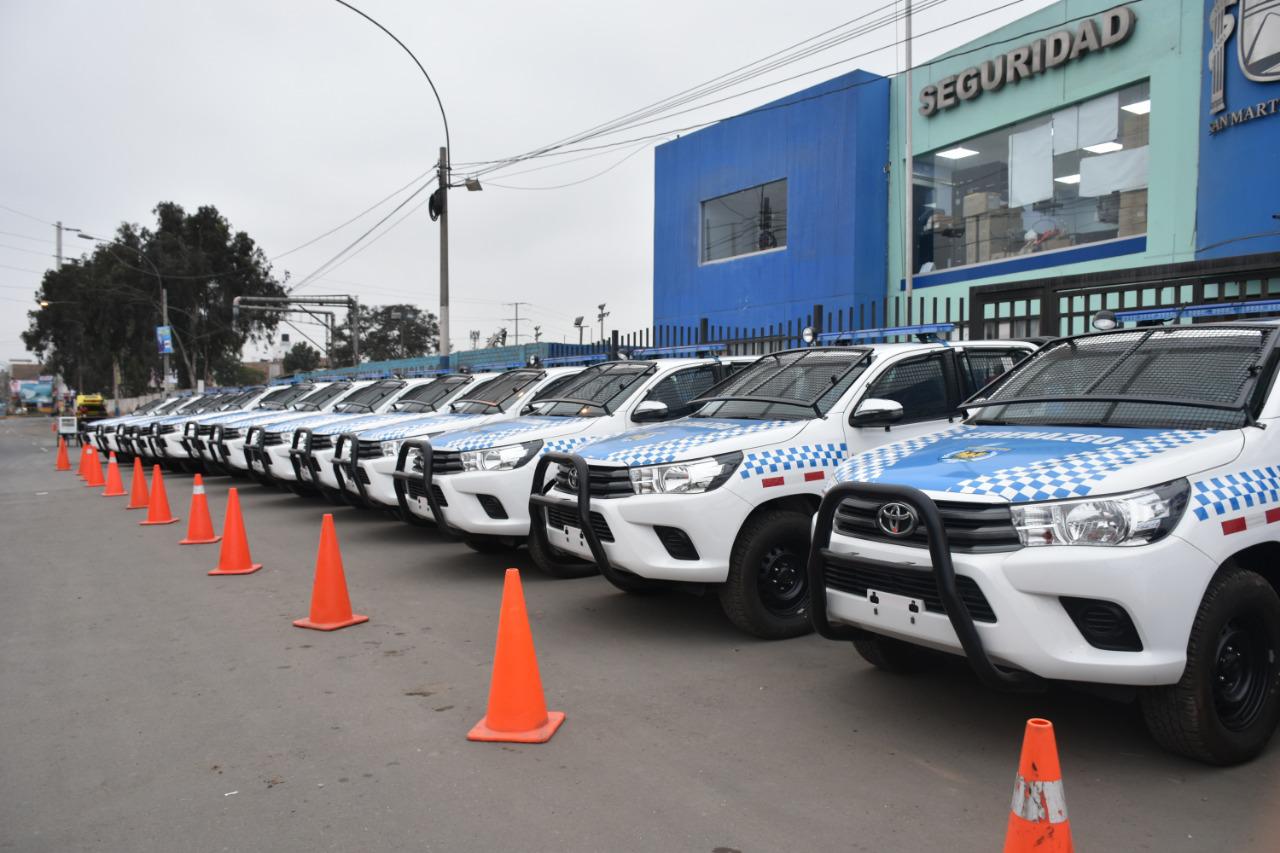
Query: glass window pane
[745, 222]
[984, 199]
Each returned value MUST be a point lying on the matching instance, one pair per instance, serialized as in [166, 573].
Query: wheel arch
[1263, 558]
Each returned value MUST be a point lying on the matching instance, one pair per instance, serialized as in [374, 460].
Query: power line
[575, 183]
[27, 237]
[28, 215]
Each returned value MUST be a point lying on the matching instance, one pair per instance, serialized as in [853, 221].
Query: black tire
[895, 656]
[767, 591]
[491, 544]
[557, 564]
[1226, 706]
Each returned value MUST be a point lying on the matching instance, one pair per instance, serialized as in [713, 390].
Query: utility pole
[57, 227]
[516, 319]
[164, 321]
[475, 338]
[577, 322]
[537, 334]
[603, 313]
[442, 187]
[908, 175]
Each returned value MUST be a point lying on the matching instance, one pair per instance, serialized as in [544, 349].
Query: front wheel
[767, 591]
[1226, 706]
[556, 563]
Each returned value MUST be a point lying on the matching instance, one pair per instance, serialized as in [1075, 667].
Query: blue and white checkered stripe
[484, 438]
[792, 459]
[1075, 474]
[1217, 496]
[566, 445]
[421, 426]
[868, 466]
[708, 432]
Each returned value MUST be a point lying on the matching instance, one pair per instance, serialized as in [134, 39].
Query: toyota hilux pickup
[142, 432]
[103, 432]
[476, 482]
[365, 462]
[313, 446]
[280, 441]
[725, 496]
[165, 441]
[229, 442]
[1107, 513]
[197, 432]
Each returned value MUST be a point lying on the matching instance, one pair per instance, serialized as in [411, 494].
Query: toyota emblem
[571, 477]
[897, 519]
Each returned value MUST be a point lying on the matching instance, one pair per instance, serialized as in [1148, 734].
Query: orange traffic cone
[138, 488]
[82, 471]
[63, 463]
[94, 471]
[517, 711]
[200, 527]
[1038, 816]
[330, 604]
[115, 486]
[158, 503]
[234, 557]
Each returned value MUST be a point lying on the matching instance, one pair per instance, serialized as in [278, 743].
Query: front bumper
[457, 496]
[626, 528]
[280, 465]
[1158, 585]
[368, 480]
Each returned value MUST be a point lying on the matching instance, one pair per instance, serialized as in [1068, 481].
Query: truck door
[928, 387]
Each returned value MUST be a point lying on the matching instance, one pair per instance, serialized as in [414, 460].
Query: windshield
[426, 398]
[368, 398]
[496, 394]
[1159, 378]
[794, 385]
[282, 397]
[239, 401]
[317, 400]
[596, 391]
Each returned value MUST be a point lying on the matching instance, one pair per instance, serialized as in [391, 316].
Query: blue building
[759, 218]
[1089, 155]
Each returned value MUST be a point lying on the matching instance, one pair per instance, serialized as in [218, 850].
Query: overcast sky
[291, 116]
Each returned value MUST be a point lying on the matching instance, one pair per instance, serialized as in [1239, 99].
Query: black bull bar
[402, 477]
[538, 499]
[944, 576]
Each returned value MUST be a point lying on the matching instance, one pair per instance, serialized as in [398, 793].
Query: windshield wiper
[578, 401]
[490, 404]
[803, 404]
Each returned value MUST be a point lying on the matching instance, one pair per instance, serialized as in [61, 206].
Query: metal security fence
[1065, 305]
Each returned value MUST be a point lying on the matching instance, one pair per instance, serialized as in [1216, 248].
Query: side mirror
[649, 410]
[874, 411]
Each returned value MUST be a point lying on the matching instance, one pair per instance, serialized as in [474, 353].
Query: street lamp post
[164, 295]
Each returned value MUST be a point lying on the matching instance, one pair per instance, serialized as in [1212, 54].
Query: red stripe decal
[1273, 515]
[1235, 525]
[772, 481]
[810, 476]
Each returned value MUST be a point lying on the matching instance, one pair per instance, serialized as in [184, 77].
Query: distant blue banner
[164, 340]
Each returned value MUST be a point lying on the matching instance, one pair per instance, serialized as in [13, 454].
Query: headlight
[500, 458]
[1135, 518]
[391, 448]
[684, 478]
[287, 438]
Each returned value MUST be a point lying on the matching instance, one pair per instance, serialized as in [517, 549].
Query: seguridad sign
[1112, 28]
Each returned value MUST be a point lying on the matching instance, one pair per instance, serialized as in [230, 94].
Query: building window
[1071, 177]
[745, 222]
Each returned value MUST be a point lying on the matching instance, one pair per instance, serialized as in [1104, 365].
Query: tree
[103, 309]
[389, 332]
[300, 358]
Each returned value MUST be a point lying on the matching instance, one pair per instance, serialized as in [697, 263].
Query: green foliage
[388, 332]
[300, 358]
[107, 305]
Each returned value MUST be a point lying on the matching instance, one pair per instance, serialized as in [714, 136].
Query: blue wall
[831, 143]
[1239, 182]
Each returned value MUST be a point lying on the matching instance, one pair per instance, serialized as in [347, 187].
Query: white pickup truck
[477, 481]
[365, 461]
[725, 496]
[1107, 513]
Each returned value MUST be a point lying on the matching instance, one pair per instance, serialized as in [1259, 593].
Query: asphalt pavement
[145, 706]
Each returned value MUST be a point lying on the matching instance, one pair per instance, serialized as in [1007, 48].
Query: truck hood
[1023, 464]
[227, 417]
[688, 438]
[267, 418]
[497, 434]
[355, 423]
[312, 421]
[422, 424]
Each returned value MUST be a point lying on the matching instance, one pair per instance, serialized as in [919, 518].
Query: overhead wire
[28, 215]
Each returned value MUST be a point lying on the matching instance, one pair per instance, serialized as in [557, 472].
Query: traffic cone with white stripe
[200, 527]
[93, 471]
[115, 486]
[1038, 816]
